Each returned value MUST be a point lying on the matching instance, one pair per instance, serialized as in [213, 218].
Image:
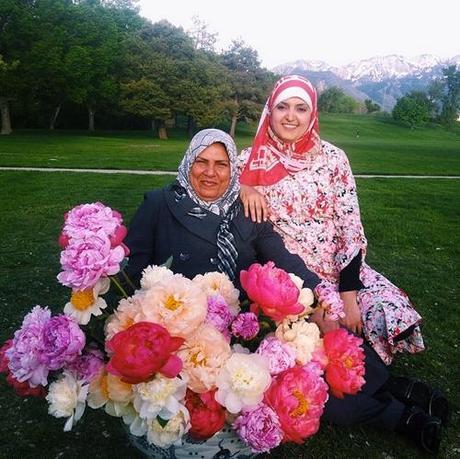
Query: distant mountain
[382, 78]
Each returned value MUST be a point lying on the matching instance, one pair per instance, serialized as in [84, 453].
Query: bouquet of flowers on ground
[180, 358]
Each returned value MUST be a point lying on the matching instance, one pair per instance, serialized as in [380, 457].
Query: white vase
[223, 445]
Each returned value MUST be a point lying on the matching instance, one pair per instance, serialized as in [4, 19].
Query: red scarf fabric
[271, 159]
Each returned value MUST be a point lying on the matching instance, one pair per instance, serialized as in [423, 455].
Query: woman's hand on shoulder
[352, 320]
[254, 204]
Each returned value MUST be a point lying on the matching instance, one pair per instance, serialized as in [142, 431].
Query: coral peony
[141, 351]
[203, 355]
[206, 415]
[345, 369]
[272, 289]
[127, 313]
[298, 397]
[259, 428]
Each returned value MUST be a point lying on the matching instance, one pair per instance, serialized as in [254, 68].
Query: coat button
[214, 261]
[184, 256]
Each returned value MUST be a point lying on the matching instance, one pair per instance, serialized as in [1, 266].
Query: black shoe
[415, 392]
[422, 428]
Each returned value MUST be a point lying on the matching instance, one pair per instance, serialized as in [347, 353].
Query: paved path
[143, 172]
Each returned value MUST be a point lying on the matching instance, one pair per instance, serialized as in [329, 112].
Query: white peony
[67, 399]
[172, 432]
[242, 381]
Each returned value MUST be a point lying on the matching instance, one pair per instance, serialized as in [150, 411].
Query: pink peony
[25, 356]
[23, 389]
[63, 341]
[92, 218]
[141, 351]
[298, 397]
[88, 365]
[280, 356]
[259, 428]
[272, 289]
[88, 258]
[219, 314]
[345, 369]
[246, 326]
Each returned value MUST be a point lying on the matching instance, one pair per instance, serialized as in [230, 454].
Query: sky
[337, 32]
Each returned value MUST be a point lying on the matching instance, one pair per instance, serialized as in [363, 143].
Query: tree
[201, 36]
[371, 106]
[451, 99]
[412, 109]
[248, 81]
[334, 100]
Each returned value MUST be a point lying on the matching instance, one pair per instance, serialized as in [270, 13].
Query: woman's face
[290, 119]
[210, 173]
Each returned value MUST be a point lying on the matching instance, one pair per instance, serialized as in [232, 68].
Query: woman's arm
[254, 204]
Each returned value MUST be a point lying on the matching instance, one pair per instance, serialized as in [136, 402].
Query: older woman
[308, 188]
[199, 221]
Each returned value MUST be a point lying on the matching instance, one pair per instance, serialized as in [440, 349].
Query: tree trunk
[91, 114]
[162, 134]
[191, 126]
[55, 117]
[6, 120]
[154, 127]
[233, 125]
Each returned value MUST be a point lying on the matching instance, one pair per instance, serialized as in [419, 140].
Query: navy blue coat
[162, 227]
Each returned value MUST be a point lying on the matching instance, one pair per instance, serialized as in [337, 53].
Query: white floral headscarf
[200, 141]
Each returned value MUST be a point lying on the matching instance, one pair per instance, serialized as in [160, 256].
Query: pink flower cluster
[245, 326]
[43, 344]
[219, 314]
[92, 242]
[329, 298]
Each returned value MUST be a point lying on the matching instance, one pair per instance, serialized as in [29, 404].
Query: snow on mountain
[381, 78]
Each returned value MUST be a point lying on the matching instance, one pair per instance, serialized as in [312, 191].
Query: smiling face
[290, 119]
[210, 173]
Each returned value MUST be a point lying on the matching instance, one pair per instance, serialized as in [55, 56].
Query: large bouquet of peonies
[180, 358]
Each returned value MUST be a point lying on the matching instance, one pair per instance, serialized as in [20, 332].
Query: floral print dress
[316, 212]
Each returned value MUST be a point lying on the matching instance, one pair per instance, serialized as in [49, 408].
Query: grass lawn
[413, 232]
[382, 147]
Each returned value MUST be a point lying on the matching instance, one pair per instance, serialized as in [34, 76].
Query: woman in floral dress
[306, 186]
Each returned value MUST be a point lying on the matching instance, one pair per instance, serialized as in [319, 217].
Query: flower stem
[120, 288]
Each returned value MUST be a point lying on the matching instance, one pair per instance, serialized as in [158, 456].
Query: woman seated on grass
[306, 188]
[200, 221]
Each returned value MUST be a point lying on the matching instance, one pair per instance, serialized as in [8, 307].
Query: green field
[413, 231]
[381, 148]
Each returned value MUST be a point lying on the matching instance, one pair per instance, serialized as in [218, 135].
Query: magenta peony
[63, 341]
[272, 289]
[259, 428]
[88, 365]
[298, 397]
[219, 314]
[25, 356]
[345, 369]
[245, 326]
[141, 351]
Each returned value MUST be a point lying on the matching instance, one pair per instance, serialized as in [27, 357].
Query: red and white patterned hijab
[271, 159]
